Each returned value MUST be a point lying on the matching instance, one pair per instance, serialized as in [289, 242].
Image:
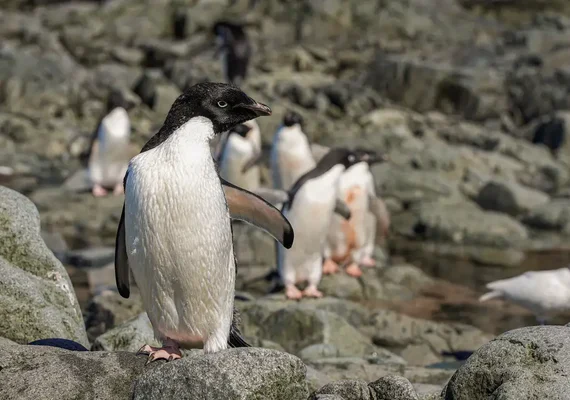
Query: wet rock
[509, 198]
[32, 372]
[551, 216]
[33, 279]
[422, 342]
[509, 367]
[129, 336]
[248, 373]
[393, 388]
[461, 223]
[109, 309]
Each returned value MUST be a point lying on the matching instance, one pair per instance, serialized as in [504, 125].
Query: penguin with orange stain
[351, 242]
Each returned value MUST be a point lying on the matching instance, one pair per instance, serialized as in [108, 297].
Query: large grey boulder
[551, 216]
[510, 198]
[386, 388]
[37, 300]
[526, 363]
[40, 372]
[129, 336]
[245, 373]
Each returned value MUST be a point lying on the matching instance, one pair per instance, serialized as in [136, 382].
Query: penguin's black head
[241, 130]
[228, 30]
[225, 105]
[336, 156]
[369, 156]
[291, 118]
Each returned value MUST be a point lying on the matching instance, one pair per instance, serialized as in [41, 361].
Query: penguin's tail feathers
[491, 295]
[236, 339]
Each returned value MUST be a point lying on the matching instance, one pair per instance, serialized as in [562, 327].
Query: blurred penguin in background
[351, 242]
[109, 151]
[291, 155]
[239, 151]
[234, 50]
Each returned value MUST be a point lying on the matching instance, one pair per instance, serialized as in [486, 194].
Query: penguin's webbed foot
[312, 291]
[354, 270]
[368, 262]
[119, 189]
[168, 352]
[99, 191]
[292, 293]
[330, 267]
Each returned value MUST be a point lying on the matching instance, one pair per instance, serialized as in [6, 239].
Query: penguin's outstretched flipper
[121, 259]
[248, 207]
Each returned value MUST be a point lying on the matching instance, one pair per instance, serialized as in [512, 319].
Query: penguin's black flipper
[121, 259]
[248, 207]
[342, 209]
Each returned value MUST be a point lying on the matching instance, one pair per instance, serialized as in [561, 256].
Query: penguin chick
[109, 153]
[310, 207]
[352, 241]
[175, 231]
[234, 50]
[291, 154]
[239, 152]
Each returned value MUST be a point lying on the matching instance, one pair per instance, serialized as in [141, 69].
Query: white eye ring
[351, 158]
[222, 104]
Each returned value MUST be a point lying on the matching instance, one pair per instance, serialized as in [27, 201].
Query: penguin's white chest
[178, 239]
[237, 153]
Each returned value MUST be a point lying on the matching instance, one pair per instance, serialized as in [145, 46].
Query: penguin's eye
[222, 104]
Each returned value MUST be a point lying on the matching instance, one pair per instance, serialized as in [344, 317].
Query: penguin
[109, 153]
[234, 50]
[544, 293]
[238, 153]
[291, 154]
[175, 231]
[309, 209]
[352, 241]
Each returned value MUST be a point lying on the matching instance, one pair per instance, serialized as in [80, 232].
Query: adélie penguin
[291, 154]
[175, 232]
[309, 208]
[239, 152]
[109, 153]
[234, 50]
[351, 242]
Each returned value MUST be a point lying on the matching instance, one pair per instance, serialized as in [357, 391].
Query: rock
[34, 372]
[253, 246]
[129, 336]
[90, 257]
[316, 379]
[32, 279]
[554, 215]
[509, 198]
[524, 363]
[393, 388]
[248, 373]
[109, 309]
[421, 342]
[346, 390]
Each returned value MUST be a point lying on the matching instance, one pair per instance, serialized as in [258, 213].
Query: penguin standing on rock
[239, 152]
[175, 231]
[109, 153]
[291, 154]
[352, 241]
[310, 207]
[234, 50]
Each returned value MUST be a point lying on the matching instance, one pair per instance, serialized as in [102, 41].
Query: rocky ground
[453, 93]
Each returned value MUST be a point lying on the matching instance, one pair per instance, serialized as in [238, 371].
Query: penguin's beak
[258, 108]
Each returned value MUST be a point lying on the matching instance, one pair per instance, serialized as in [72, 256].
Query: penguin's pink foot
[292, 293]
[354, 270]
[330, 267]
[312, 291]
[169, 352]
[119, 189]
[99, 191]
[368, 262]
